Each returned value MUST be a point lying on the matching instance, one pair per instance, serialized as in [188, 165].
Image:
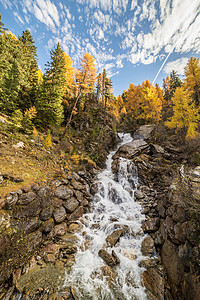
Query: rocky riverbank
[169, 194]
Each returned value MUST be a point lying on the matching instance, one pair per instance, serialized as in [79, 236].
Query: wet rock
[130, 253]
[94, 188]
[114, 237]
[60, 215]
[154, 282]
[148, 263]
[9, 293]
[129, 150]
[139, 195]
[85, 202]
[74, 227]
[108, 258]
[117, 260]
[76, 214]
[68, 240]
[26, 198]
[144, 132]
[108, 272]
[63, 192]
[147, 247]
[151, 225]
[71, 205]
[46, 213]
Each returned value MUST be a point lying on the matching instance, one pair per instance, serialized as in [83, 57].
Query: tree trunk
[70, 118]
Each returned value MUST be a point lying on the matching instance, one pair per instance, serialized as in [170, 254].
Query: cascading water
[113, 207]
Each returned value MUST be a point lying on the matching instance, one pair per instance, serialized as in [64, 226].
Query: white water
[112, 205]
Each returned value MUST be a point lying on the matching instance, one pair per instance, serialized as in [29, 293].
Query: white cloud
[176, 65]
[18, 18]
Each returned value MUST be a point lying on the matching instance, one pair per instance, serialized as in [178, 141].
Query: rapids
[113, 207]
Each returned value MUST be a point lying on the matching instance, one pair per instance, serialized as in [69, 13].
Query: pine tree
[49, 105]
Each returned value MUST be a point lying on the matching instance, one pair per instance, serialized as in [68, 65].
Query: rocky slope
[170, 197]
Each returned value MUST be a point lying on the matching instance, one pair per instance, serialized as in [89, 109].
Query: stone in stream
[115, 257]
[139, 195]
[108, 258]
[114, 237]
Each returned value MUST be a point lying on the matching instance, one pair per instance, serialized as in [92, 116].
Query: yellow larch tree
[192, 78]
[185, 113]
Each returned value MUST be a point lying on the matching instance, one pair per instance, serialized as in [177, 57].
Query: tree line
[176, 105]
[51, 99]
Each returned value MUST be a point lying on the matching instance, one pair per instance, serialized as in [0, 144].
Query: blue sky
[129, 38]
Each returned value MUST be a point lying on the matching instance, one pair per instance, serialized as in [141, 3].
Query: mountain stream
[113, 208]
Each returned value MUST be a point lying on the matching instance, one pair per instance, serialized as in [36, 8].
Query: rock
[31, 210]
[139, 195]
[9, 293]
[94, 188]
[109, 274]
[148, 263]
[147, 247]
[11, 200]
[154, 282]
[26, 198]
[129, 150]
[60, 215]
[85, 202]
[19, 145]
[27, 226]
[49, 258]
[60, 229]
[43, 192]
[48, 226]
[117, 260]
[1, 179]
[71, 205]
[156, 149]
[114, 237]
[108, 258]
[4, 219]
[57, 202]
[79, 196]
[63, 192]
[46, 213]
[77, 185]
[130, 253]
[151, 225]
[144, 132]
[74, 227]
[76, 214]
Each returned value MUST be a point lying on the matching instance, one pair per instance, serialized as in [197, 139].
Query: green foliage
[49, 104]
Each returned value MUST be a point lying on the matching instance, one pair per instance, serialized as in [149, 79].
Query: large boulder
[144, 132]
[129, 150]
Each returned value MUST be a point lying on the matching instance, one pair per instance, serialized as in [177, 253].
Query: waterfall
[113, 207]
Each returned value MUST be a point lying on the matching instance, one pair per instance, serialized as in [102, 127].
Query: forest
[36, 101]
